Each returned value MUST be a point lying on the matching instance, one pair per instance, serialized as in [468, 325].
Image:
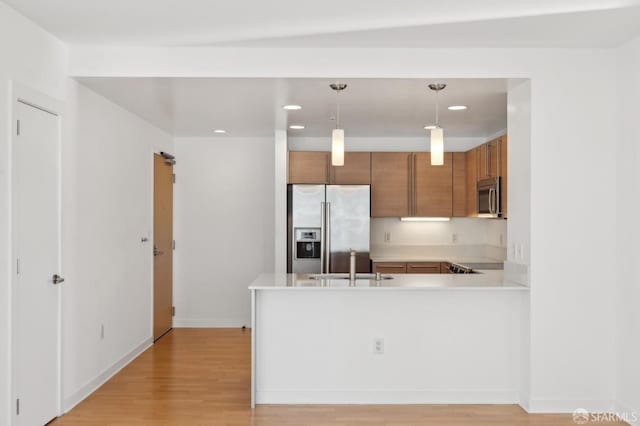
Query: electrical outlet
[378, 346]
[387, 237]
[454, 238]
[101, 331]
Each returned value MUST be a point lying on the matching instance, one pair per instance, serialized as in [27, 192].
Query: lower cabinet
[390, 267]
[411, 267]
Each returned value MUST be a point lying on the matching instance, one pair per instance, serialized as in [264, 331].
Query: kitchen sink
[346, 277]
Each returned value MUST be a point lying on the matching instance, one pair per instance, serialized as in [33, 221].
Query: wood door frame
[157, 151]
[25, 95]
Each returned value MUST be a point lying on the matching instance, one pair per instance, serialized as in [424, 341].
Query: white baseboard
[552, 406]
[297, 396]
[628, 414]
[210, 323]
[103, 377]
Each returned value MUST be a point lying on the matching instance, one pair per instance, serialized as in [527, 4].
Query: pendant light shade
[337, 147]
[437, 133]
[337, 136]
[437, 147]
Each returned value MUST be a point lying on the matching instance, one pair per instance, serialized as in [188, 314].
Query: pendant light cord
[337, 109]
[437, 109]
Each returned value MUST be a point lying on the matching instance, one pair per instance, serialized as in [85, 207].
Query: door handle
[57, 279]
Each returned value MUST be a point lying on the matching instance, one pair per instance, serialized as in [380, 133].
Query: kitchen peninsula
[437, 338]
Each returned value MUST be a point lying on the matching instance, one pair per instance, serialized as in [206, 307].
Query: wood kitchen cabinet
[308, 167]
[390, 267]
[356, 169]
[432, 186]
[503, 174]
[472, 182]
[423, 268]
[390, 184]
[411, 267]
[459, 184]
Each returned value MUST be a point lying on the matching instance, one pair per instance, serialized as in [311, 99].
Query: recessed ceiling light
[296, 127]
[430, 127]
[220, 131]
[457, 107]
[292, 107]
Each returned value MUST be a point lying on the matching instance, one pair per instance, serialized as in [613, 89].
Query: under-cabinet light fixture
[292, 107]
[425, 219]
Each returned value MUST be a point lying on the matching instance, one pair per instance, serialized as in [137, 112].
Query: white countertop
[485, 280]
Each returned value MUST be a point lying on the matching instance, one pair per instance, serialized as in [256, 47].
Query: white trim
[19, 93]
[107, 374]
[210, 322]
[539, 405]
[418, 396]
[497, 134]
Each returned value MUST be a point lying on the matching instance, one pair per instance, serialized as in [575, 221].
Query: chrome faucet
[352, 265]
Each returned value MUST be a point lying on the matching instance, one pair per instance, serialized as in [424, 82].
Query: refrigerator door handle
[327, 258]
[322, 236]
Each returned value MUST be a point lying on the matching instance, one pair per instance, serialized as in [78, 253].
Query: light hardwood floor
[202, 377]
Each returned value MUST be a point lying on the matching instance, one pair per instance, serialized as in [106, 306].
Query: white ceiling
[337, 22]
[250, 107]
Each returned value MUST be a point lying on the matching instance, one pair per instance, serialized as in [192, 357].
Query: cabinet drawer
[423, 268]
[390, 267]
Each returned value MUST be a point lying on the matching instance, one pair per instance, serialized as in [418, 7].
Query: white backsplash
[460, 236]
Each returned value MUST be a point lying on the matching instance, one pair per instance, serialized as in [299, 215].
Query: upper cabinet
[315, 167]
[308, 167]
[503, 174]
[390, 184]
[471, 158]
[460, 190]
[432, 186]
[356, 169]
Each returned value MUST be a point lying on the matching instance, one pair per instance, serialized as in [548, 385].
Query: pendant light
[437, 133]
[337, 136]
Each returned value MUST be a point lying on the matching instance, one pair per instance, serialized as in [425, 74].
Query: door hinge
[173, 311]
[174, 178]
[18, 407]
[17, 266]
[173, 244]
[18, 128]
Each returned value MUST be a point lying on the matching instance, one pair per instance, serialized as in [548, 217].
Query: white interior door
[36, 238]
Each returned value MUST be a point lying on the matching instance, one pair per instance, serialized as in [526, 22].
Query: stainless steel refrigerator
[326, 222]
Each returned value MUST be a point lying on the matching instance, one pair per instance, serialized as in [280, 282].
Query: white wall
[106, 204]
[628, 252]
[37, 60]
[224, 227]
[107, 209]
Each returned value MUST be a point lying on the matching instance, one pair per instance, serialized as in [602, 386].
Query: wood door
[459, 184]
[472, 182]
[433, 187]
[390, 267]
[356, 170]
[390, 184]
[423, 268]
[162, 246]
[308, 167]
[503, 174]
[36, 245]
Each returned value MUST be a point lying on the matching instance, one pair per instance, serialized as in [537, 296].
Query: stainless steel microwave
[489, 198]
